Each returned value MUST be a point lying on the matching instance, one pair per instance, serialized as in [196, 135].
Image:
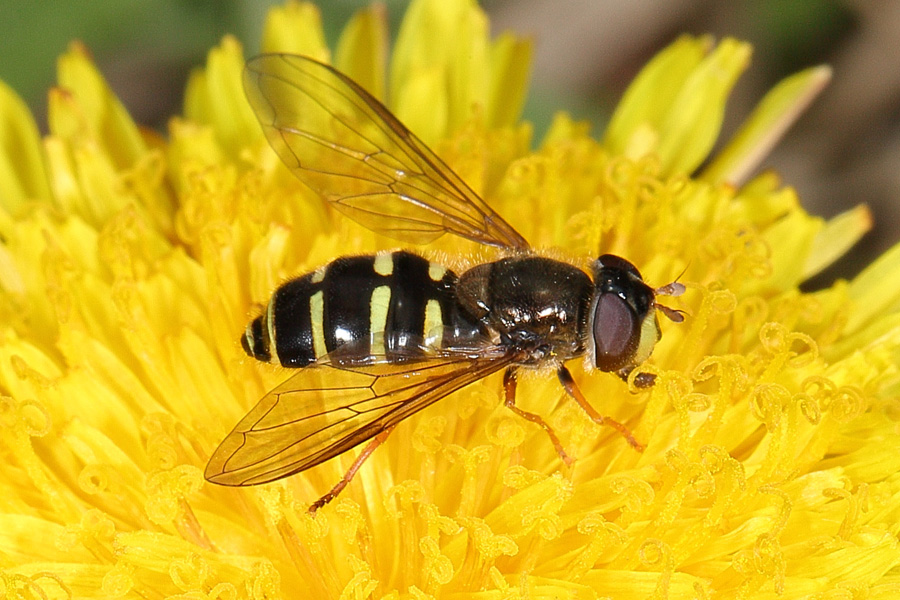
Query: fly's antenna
[675, 315]
[676, 288]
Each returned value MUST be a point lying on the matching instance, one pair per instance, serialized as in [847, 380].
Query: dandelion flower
[129, 265]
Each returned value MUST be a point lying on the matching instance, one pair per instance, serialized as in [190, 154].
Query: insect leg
[565, 378]
[345, 480]
[509, 386]
[641, 381]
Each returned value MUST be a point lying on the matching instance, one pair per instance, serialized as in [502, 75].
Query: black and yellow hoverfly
[378, 338]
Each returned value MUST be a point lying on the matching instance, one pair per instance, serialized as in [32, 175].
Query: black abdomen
[375, 305]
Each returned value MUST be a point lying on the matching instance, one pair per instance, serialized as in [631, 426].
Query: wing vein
[277, 442]
[314, 116]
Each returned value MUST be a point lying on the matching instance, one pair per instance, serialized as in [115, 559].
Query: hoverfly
[378, 338]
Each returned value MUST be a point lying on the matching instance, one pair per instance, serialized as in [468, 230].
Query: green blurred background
[846, 150]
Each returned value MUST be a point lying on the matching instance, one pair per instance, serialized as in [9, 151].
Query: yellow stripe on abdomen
[384, 264]
[434, 324]
[436, 272]
[316, 320]
[270, 327]
[378, 312]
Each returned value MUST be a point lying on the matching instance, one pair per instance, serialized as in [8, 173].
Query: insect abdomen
[385, 304]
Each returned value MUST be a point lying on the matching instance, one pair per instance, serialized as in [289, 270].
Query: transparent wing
[347, 146]
[326, 409]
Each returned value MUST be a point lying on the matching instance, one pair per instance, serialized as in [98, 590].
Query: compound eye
[616, 332]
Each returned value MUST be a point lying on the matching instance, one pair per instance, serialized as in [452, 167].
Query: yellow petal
[295, 28]
[765, 126]
[790, 240]
[510, 73]
[442, 52]
[763, 202]
[692, 123]
[25, 537]
[100, 116]
[86, 179]
[651, 94]
[876, 291]
[424, 87]
[362, 50]
[22, 173]
[192, 147]
[839, 235]
[762, 183]
[215, 96]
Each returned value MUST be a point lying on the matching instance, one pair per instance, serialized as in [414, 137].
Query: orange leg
[509, 385]
[345, 480]
[565, 378]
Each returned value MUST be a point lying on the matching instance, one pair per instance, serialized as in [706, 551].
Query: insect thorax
[537, 304]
